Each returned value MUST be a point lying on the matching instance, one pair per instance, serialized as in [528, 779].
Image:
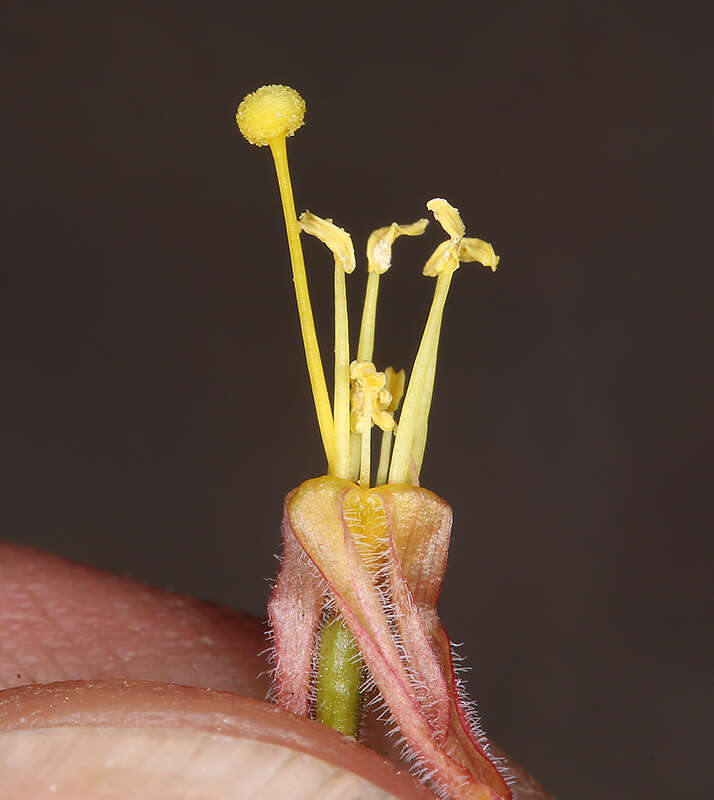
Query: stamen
[267, 116]
[370, 400]
[411, 437]
[365, 348]
[468, 250]
[379, 260]
[340, 242]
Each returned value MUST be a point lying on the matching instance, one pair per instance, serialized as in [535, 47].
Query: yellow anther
[370, 399]
[449, 254]
[444, 259]
[336, 238]
[379, 244]
[478, 250]
[270, 112]
[369, 391]
[395, 386]
[447, 216]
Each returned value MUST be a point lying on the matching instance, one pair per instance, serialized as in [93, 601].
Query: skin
[112, 689]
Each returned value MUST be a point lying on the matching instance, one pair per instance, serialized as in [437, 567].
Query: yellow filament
[307, 323]
[395, 386]
[420, 433]
[341, 466]
[365, 348]
[355, 450]
[418, 398]
[384, 453]
[366, 450]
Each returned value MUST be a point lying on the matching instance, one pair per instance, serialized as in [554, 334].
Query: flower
[363, 564]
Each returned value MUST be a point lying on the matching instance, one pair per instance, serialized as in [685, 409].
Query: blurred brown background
[155, 407]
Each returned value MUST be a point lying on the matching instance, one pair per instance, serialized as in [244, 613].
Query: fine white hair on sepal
[474, 721]
[269, 655]
[420, 769]
[376, 702]
[356, 658]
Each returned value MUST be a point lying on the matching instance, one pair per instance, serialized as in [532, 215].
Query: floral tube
[380, 555]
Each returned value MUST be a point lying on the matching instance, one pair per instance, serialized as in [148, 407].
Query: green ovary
[339, 677]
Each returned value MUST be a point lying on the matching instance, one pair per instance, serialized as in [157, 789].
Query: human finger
[63, 621]
[149, 740]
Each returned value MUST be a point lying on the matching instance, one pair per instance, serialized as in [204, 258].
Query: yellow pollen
[269, 113]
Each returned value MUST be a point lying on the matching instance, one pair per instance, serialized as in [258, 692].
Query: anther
[370, 399]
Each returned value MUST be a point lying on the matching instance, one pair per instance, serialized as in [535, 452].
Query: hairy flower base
[379, 554]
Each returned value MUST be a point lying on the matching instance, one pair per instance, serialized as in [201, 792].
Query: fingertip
[87, 738]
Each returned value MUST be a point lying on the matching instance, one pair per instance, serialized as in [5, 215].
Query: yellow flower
[373, 550]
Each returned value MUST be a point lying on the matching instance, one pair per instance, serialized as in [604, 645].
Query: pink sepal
[294, 611]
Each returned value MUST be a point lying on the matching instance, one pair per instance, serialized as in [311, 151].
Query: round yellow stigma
[269, 113]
